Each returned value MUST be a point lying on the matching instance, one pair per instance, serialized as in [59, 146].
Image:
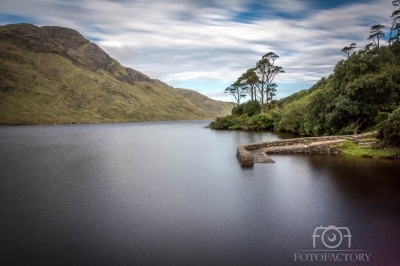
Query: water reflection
[366, 180]
[174, 193]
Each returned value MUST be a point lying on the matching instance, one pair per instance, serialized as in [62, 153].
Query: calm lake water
[173, 193]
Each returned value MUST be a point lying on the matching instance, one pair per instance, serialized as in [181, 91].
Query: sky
[206, 45]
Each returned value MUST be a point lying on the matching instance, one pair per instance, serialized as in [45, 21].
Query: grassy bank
[376, 150]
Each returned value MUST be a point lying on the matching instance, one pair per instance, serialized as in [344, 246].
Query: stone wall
[288, 146]
[287, 142]
[244, 156]
[309, 149]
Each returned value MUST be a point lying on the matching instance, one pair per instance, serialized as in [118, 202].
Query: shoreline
[104, 122]
[258, 152]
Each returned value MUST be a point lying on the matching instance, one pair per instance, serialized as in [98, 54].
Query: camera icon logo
[331, 236]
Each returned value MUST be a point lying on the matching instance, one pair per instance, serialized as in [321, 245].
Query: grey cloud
[198, 40]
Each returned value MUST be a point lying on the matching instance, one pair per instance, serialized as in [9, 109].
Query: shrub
[238, 110]
[389, 130]
[252, 108]
[382, 116]
[224, 122]
[260, 121]
[240, 122]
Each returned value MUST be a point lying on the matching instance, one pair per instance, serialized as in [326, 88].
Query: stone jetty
[258, 152]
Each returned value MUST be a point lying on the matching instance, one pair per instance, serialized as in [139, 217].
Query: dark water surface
[173, 193]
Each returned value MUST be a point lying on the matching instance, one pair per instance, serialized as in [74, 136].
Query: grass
[56, 98]
[48, 88]
[352, 149]
[204, 103]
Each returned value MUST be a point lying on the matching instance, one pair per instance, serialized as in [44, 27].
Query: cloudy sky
[205, 45]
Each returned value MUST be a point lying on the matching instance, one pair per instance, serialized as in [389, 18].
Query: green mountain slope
[54, 75]
[215, 108]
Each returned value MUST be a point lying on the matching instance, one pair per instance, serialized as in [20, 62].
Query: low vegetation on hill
[54, 75]
[213, 108]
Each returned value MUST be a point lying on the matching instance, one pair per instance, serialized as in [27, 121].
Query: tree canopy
[258, 82]
[360, 94]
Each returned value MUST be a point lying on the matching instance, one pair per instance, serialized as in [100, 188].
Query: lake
[173, 193]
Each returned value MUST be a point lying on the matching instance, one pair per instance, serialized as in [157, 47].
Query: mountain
[54, 75]
[215, 108]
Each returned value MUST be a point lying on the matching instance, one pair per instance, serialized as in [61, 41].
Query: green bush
[389, 130]
[382, 116]
[240, 122]
[238, 110]
[292, 117]
[224, 122]
[252, 108]
[261, 121]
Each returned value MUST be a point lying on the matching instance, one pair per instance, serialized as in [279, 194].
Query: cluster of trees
[349, 100]
[257, 82]
[362, 93]
[246, 116]
[376, 33]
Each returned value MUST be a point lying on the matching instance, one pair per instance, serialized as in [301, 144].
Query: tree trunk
[359, 123]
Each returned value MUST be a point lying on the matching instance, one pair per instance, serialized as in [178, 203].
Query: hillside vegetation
[362, 93]
[54, 75]
[213, 108]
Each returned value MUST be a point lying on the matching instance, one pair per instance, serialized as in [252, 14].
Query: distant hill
[215, 108]
[54, 75]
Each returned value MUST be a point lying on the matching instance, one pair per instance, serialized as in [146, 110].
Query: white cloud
[290, 6]
[199, 40]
